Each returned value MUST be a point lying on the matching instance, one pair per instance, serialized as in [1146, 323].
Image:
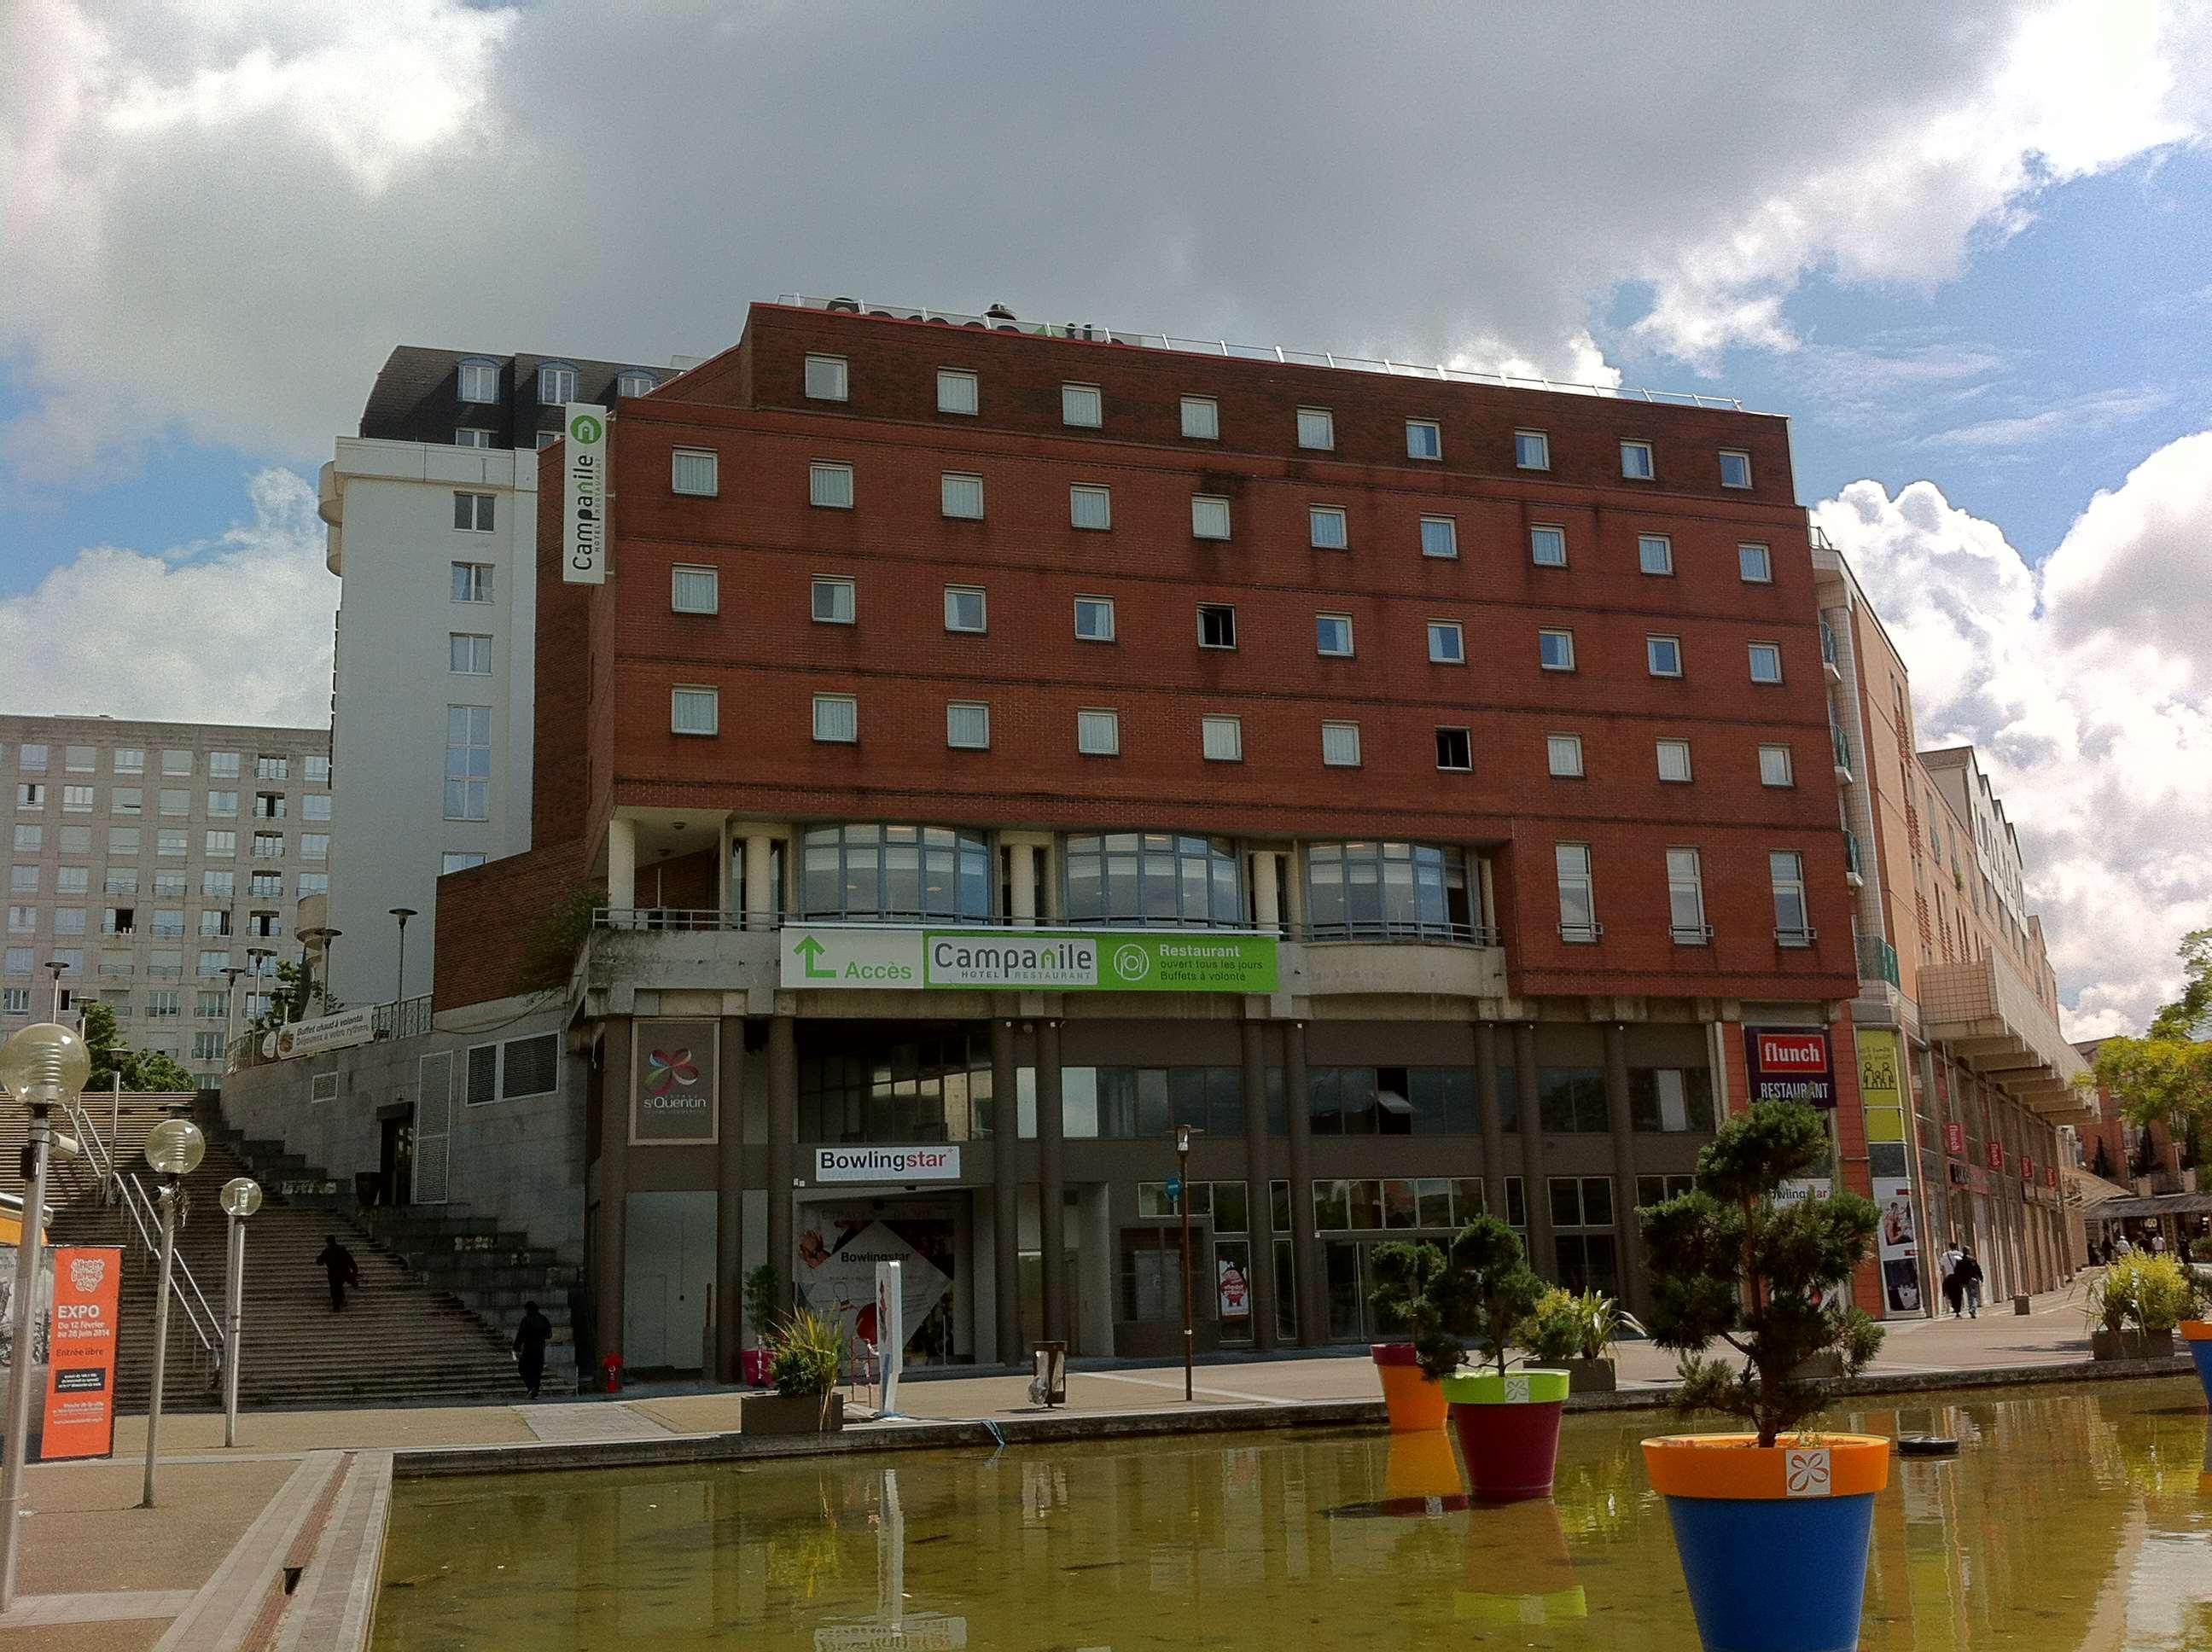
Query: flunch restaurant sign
[1790, 1064]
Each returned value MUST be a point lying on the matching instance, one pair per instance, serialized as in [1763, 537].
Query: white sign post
[583, 531]
[891, 1333]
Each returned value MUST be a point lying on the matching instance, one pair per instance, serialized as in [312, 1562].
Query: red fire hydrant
[611, 1367]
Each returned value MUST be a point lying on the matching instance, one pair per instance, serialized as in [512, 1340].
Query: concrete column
[1627, 1241]
[760, 887]
[621, 862]
[1005, 1209]
[1258, 1207]
[1294, 892]
[609, 1250]
[1305, 1243]
[782, 1146]
[1266, 889]
[723, 876]
[1021, 882]
[1534, 1187]
[1051, 1189]
[1493, 1117]
[729, 1201]
[1487, 889]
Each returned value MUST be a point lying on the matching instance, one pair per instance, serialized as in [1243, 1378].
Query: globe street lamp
[40, 1065]
[242, 1197]
[173, 1148]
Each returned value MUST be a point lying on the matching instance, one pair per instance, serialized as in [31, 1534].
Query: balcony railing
[1842, 748]
[1827, 644]
[410, 1017]
[1877, 960]
[1851, 856]
[1691, 934]
[692, 920]
[1796, 937]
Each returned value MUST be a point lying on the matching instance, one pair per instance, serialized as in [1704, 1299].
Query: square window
[965, 608]
[695, 471]
[695, 590]
[1532, 450]
[31, 758]
[834, 601]
[967, 725]
[1655, 553]
[825, 379]
[1736, 468]
[829, 486]
[126, 800]
[459, 860]
[1090, 507]
[1664, 655]
[176, 801]
[79, 759]
[471, 438]
[479, 381]
[76, 799]
[1447, 643]
[1333, 635]
[1765, 662]
[837, 719]
[1424, 439]
[1327, 528]
[1564, 754]
[1754, 564]
[694, 711]
[1339, 745]
[1635, 460]
[1082, 406]
[130, 760]
[1775, 767]
[1222, 738]
[472, 583]
[1556, 650]
[1317, 429]
[1455, 749]
[1674, 760]
[1209, 517]
[29, 840]
[473, 512]
[1098, 734]
[468, 654]
[1094, 619]
[1217, 625]
[957, 391]
[1201, 418]
[555, 385]
[962, 496]
[1547, 547]
[1439, 535]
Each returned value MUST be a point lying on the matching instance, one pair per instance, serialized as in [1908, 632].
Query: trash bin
[1048, 1380]
[2019, 1301]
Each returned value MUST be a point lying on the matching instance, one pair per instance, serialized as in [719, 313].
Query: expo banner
[835, 957]
[73, 1351]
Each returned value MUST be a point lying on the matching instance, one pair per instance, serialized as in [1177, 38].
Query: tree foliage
[2165, 1076]
[1480, 1291]
[294, 999]
[141, 1070]
[1729, 1264]
[551, 947]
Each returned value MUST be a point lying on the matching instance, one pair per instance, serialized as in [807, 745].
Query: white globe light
[241, 1196]
[43, 1063]
[174, 1147]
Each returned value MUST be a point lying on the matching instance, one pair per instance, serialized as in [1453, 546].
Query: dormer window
[556, 383]
[479, 380]
[633, 382]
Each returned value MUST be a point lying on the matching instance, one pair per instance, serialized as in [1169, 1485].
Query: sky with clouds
[1962, 246]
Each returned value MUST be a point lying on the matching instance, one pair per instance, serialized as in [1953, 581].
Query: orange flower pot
[1414, 1399]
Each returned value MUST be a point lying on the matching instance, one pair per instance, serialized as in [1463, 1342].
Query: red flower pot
[1508, 1428]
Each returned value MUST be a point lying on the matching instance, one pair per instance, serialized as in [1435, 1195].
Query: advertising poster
[73, 1353]
[674, 1082]
[1235, 1289]
[1790, 1064]
[836, 1277]
[1897, 1245]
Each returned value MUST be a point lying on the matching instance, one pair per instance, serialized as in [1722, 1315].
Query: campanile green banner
[816, 958]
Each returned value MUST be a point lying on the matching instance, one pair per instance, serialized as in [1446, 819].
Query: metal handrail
[203, 1319]
[707, 920]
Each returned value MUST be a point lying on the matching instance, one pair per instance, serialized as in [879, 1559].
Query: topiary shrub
[1480, 1291]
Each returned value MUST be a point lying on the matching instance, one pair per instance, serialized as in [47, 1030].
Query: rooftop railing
[1226, 350]
[680, 920]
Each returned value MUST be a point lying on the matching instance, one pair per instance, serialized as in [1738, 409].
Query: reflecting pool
[2076, 1518]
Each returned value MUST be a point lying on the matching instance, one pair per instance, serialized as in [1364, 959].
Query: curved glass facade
[894, 873]
[1154, 877]
[1370, 889]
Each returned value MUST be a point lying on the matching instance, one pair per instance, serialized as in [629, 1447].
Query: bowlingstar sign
[835, 957]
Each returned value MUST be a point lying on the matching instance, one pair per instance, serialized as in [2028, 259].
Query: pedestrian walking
[1947, 1266]
[1970, 1283]
[339, 1268]
[530, 1340]
[2123, 1247]
[2158, 1243]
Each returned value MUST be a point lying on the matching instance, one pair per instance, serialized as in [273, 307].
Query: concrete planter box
[773, 1413]
[1588, 1376]
[2131, 1344]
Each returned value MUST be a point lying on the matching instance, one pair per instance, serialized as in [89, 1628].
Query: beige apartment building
[160, 866]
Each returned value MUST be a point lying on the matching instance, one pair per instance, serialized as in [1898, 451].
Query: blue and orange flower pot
[2196, 1337]
[1508, 1428]
[1773, 1538]
[1414, 1399]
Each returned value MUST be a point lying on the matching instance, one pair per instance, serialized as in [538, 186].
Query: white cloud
[236, 630]
[2093, 412]
[220, 217]
[2086, 686]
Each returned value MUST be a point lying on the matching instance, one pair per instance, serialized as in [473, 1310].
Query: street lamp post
[1182, 1134]
[56, 965]
[174, 1149]
[39, 1066]
[230, 1014]
[399, 991]
[242, 1197]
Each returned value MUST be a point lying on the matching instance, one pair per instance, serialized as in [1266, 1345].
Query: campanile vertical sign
[584, 532]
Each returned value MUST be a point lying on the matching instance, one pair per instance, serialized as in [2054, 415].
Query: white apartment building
[151, 861]
[433, 517]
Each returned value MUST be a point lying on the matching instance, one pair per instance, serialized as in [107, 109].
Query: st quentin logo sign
[584, 532]
[835, 957]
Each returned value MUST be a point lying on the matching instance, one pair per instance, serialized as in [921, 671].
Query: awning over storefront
[2133, 1207]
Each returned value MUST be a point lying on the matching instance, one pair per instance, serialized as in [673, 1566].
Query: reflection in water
[2071, 1519]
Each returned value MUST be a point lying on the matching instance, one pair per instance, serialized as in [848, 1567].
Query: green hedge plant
[1480, 1291]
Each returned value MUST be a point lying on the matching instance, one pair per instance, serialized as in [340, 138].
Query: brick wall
[487, 913]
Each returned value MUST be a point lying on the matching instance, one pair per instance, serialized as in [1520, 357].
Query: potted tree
[1413, 1396]
[2197, 1329]
[1772, 1531]
[1507, 1425]
[1575, 1332]
[756, 1364]
[2137, 1307]
[810, 1357]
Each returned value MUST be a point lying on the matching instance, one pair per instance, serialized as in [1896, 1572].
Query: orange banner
[80, 1411]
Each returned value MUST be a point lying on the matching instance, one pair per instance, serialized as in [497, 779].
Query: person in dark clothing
[339, 1268]
[530, 1340]
[1970, 1285]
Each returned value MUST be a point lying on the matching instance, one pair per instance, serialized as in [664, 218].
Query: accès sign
[831, 957]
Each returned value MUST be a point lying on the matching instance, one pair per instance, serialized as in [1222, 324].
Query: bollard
[2019, 1301]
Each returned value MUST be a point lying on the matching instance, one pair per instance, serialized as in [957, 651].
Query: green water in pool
[2071, 1518]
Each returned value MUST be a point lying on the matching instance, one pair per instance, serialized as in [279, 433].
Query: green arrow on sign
[809, 949]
